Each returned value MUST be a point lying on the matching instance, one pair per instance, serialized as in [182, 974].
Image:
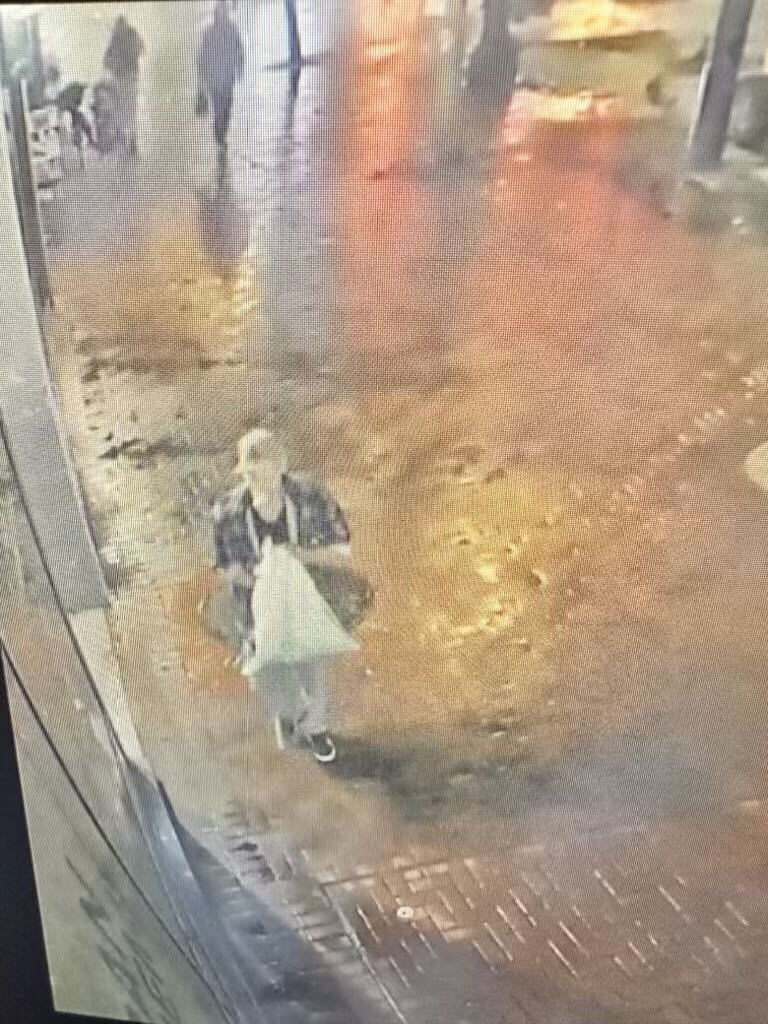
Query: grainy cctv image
[384, 483]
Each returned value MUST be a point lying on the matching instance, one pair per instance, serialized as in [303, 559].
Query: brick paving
[627, 932]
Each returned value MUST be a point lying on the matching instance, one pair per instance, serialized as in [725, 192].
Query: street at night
[525, 349]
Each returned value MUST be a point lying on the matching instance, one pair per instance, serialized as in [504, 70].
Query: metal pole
[29, 210]
[493, 66]
[496, 19]
[718, 85]
[3, 55]
[294, 41]
[36, 93]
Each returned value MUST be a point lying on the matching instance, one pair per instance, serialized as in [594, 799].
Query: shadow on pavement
[223, 225]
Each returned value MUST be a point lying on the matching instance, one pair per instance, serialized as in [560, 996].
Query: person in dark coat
[220, 63]
[294, 41]
[122, 60]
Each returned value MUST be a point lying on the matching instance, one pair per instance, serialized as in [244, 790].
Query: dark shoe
[323, 748]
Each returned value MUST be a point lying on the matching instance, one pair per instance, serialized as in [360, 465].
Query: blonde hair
[259, 444]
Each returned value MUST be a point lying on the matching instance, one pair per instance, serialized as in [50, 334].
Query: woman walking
[122, 61]
[265, 529]
[220, 64]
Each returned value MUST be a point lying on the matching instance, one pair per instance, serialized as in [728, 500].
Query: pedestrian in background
[69, 100]
[264, 531]
[122, 61]
[220, 63]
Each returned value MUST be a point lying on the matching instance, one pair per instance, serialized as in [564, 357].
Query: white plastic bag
[292, 622]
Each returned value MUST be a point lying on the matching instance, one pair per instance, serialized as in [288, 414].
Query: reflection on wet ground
[223, 226]
[384, 291]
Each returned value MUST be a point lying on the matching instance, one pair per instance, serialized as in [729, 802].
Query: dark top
[320, 521]
[278, 530]
[221, 56]
[124, 50]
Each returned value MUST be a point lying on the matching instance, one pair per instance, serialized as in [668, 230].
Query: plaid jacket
[320, 521]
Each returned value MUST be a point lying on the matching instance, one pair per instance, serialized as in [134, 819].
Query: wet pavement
[533, 391]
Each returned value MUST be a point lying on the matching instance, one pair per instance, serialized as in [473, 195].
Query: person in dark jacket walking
[122, 61]
[70, 101]
[220, 63]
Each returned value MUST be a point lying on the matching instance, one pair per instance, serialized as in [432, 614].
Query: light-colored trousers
[297, 694]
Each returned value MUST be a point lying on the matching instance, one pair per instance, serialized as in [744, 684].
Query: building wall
[108, 954]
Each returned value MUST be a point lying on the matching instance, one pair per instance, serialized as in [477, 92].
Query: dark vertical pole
[3, 55]
[718, 85]
[37, 87]
[26, 191]
[493, 67]
[294, 41]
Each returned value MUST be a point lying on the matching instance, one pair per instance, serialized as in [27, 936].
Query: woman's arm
[325, 554]
[231, 556]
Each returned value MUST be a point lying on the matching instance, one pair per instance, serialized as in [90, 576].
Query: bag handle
[292, 519]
